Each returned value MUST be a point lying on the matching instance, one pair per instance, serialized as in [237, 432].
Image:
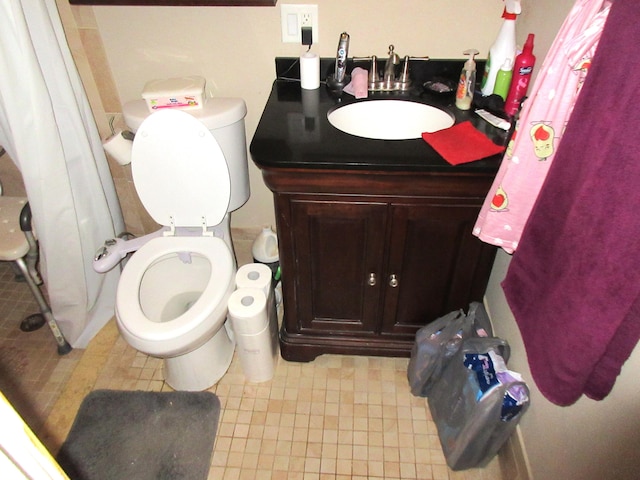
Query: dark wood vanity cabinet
[369, 258]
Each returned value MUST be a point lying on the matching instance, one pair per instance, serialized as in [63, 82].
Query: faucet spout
[389, 82]
[389, 66]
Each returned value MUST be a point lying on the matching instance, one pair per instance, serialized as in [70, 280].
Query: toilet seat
[190, 323]
[179, 171]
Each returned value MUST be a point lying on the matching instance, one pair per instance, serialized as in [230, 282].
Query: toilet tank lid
[215, 113]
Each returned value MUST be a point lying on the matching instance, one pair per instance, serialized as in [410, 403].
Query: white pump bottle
[467, 82]
[504, 46]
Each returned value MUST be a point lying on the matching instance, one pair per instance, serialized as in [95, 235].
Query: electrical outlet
[306, 20]
[294, 17]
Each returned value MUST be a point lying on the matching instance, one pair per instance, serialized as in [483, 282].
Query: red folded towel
[461, 143]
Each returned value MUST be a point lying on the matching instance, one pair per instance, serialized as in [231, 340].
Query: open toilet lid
[179, 170]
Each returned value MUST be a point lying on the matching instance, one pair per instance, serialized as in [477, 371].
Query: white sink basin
[389, 119]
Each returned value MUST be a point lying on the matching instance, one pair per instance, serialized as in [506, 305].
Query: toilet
[190, 172]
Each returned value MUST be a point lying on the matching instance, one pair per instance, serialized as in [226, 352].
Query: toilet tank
[224, 117]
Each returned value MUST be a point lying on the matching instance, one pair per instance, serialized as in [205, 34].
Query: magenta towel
[461, 143]
[574, 282]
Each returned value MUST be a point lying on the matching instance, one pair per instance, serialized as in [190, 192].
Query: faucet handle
[373, 70]
[404, 77]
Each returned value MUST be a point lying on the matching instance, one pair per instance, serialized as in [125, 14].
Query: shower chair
[19, 246]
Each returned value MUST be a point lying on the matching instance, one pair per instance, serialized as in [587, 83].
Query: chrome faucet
[389, 81]
[390, 66]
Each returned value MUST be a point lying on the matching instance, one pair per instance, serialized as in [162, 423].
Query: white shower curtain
[47, 127]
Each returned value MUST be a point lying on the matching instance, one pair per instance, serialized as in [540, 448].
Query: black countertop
[294, 132]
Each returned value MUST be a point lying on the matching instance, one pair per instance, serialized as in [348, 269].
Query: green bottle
[503, 79]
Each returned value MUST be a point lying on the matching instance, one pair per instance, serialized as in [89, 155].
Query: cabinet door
[337, 248]
[435, 262]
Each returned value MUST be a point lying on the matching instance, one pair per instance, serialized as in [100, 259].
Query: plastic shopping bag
[436, 343]
[477, 403]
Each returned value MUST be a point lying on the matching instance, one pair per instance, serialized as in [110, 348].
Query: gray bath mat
[120, 435]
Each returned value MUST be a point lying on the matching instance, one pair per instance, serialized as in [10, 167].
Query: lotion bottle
[504, 46]
[467, 83]
[522, 70]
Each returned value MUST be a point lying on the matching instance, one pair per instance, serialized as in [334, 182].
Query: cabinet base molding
[305, 348]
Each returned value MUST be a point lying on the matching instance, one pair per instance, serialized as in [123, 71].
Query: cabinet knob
[393, 281]
[372, 279]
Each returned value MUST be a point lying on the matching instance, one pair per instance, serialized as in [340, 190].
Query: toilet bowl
[175, 309]
[172, 296]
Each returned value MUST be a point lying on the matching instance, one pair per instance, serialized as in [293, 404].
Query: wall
[589, 440]
[234, 49]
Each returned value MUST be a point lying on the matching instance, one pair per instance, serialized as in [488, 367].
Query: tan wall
[588, 440]
[119, 48]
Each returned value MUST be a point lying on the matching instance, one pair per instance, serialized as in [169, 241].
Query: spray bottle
[504, 47]
[522, 70]
[467, 83]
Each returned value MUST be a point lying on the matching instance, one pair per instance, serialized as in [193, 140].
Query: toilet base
[203, 367]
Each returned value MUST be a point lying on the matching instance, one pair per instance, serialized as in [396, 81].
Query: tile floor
[338, 417]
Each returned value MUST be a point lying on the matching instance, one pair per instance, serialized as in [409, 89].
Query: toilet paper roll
[254, 335]
[258, 355]
[248, 311]
[309, 71]
[119, 148]
[254, 275]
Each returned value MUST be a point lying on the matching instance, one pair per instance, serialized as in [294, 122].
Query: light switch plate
[294, 17]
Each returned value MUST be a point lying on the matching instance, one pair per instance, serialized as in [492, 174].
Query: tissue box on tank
[183, 92]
